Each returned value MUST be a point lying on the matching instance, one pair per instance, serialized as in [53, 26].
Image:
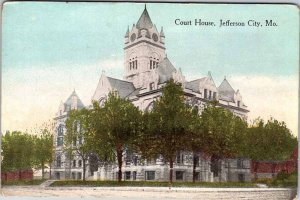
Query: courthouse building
[146, 70]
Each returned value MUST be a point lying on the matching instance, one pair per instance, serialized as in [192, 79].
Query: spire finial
[209, 73]
[224, 77]
[145, 6]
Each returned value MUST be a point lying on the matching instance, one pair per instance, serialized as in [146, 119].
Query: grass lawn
[149, 184]
[22, 182]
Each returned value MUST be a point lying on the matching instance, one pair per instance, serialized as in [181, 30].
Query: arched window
[150, 106]
[58, 161]
[102, 102]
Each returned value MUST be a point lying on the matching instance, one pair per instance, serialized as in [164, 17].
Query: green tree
[165, 127]
[78, 139]
[196, 140]
[224, 132]
[115, 127]
[43, 149]
[271, 141]
[18, 151]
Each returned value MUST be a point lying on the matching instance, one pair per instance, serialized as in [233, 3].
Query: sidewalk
[151, 192]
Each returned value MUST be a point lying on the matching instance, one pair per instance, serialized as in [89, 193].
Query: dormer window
[215, 96]
[205, 93]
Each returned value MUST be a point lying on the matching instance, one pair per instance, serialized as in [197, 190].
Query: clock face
[155, 37]
[132, 37]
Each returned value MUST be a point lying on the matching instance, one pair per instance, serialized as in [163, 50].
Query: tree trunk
[50, 171]
[228, 173]
[43, 170]
[220, 169]
[119, 158]
[171, 171]
[84, 166]
[194, 167]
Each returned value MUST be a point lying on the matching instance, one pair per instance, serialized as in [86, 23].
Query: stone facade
[146, 70]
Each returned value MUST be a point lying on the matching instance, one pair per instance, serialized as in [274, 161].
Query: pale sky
[52, 48]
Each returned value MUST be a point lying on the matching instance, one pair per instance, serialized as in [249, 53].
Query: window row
[79, 163]
[153, 64]
[208, 94]
[133, 65]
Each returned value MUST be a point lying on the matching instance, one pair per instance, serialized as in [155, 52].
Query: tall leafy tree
[78, 138]
[224, 132]
[116, 126]
[271, 141]
[165, 127]
[18, 151]
[196, 140]
[43, 149]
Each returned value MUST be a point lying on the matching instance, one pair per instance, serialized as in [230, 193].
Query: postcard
[149, 100]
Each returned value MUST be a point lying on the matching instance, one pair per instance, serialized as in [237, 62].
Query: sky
[51, 48]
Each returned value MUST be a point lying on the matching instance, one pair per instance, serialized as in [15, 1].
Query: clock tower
[144, 49]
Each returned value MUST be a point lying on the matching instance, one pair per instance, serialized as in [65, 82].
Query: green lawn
[31, 182]
[149, 184]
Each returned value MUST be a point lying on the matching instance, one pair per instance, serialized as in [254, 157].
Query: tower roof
[144, 22]
[69, 100]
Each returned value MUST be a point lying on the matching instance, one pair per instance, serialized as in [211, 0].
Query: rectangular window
[74, 163]
[79, 163]
[57, 175]
[127, 175]
[241, 177]
[150, 64]
[79, 175]
[73, 175]
[58, 161]
[130, 65]
[150, 175]
[215, 96]
[238, 103]
[179, 175]
[134, 175]
[205, 93]
[240, 163]
[60, 141]
[136, 64]
[210, 95]
[179, 158]
[134, 160]
[80, 140]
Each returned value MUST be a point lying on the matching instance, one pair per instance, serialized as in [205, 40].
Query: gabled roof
[124, 88]
[194, 85]
[144, 22]
[165, 70]
[69, 100]
[226, 92]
